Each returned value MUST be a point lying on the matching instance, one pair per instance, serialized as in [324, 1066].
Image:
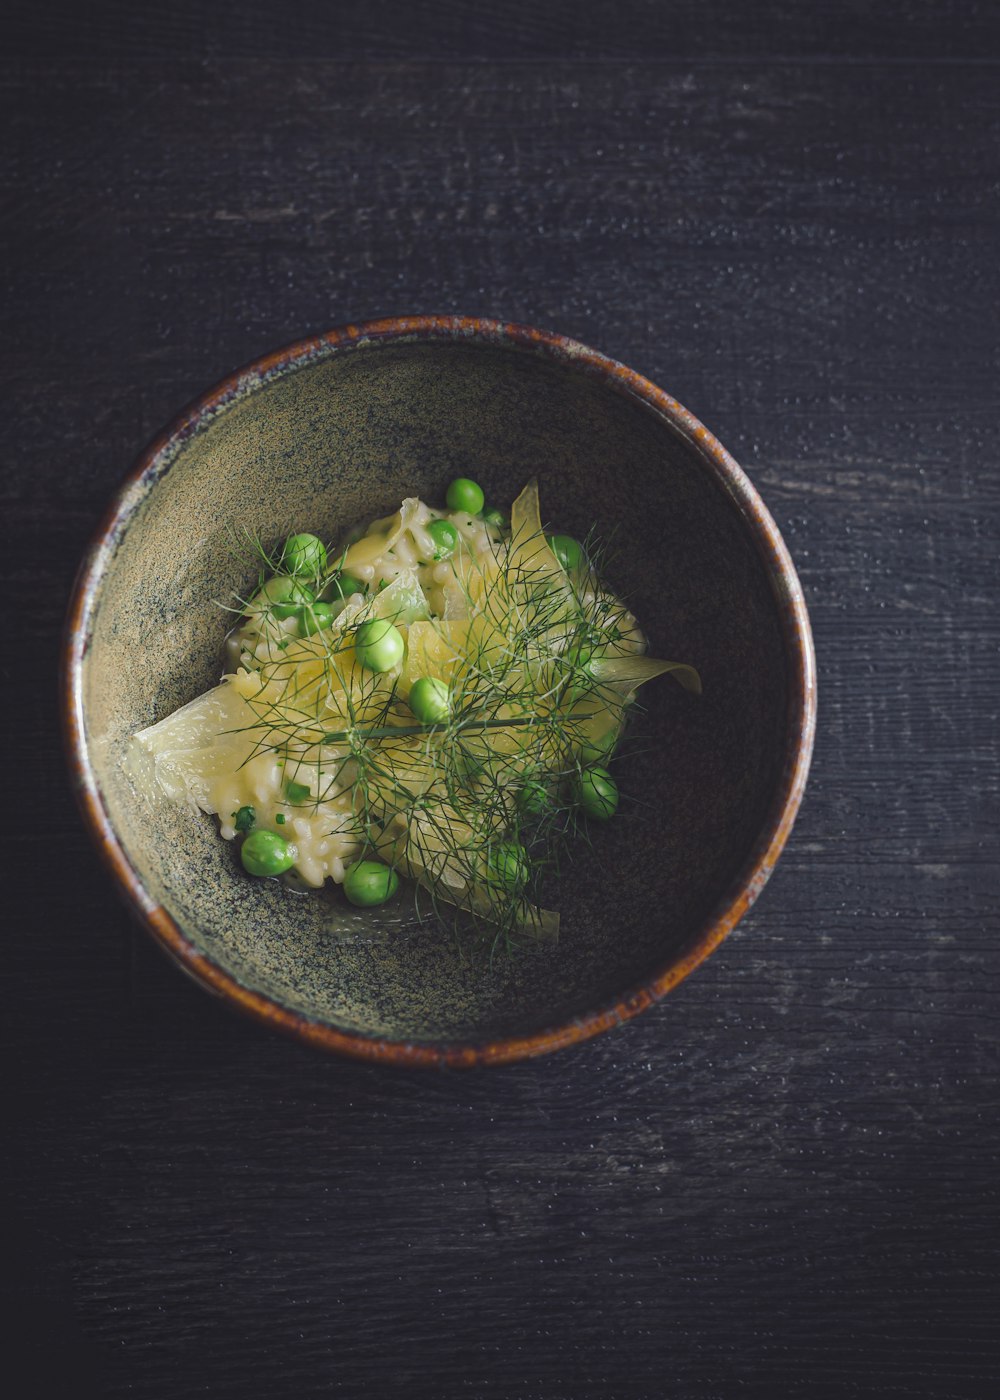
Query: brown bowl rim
[743, 891]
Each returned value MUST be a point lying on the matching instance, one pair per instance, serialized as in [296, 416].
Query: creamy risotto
[439, 698]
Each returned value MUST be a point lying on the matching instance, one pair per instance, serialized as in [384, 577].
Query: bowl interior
[336, 441]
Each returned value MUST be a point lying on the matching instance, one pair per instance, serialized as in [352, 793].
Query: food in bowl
[341, 427]
[438, 698]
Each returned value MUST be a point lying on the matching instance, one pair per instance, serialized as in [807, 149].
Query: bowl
[337, 429]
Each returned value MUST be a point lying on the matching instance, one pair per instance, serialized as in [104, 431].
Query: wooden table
[782, 1182]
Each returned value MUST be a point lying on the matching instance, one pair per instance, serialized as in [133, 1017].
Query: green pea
[579, 657]
[314, 618]
[299, 596]
[445, 538]
[508, 864]
[495, 517]
[597, 793]
[304, 554]
[297, 792]
[283, 595]
[379, 645]
[533, 800]
[266, 853]
[473, 765]
[370, 882]
[567, 550]
[430, 700]
[245, 819]
[466, 495]
[343, 586]
[602, 749]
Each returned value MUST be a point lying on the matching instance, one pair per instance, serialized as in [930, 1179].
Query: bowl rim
[155, 460]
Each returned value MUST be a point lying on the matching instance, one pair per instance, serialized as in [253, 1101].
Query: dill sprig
[445, 802]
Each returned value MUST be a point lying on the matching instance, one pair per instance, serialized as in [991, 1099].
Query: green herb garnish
[472, 785]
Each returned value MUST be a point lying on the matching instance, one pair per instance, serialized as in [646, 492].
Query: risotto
[439, 698]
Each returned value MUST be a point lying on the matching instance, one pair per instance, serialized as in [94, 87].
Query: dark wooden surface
[783, 1181]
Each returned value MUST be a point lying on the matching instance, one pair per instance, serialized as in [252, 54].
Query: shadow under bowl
[333, 431]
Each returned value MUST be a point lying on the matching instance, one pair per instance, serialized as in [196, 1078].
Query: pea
[495, 518]
[304, 554]
[379, 645]
[370, 882]
[508, 865]
[597, 793]
[579, 657]
[266, 853]
[298, 596]
[466, 495]
[533, 800]
[567, 550]
[473, 765]
[430, 700]
[445, 538]
[297, 792]
[283, 595]
[602, 749]
[344, 586]
[314, 618]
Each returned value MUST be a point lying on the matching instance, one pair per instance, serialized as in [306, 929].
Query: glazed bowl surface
[331, 432]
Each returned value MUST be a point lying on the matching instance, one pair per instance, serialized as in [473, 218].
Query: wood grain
[782, 1182]
[378, 30]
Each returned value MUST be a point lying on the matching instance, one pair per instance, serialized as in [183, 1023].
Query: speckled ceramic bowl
[337, 429]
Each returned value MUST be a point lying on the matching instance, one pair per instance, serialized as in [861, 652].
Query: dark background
[781, 1182]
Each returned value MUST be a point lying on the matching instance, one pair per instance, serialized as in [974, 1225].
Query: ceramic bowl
[335, 430]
